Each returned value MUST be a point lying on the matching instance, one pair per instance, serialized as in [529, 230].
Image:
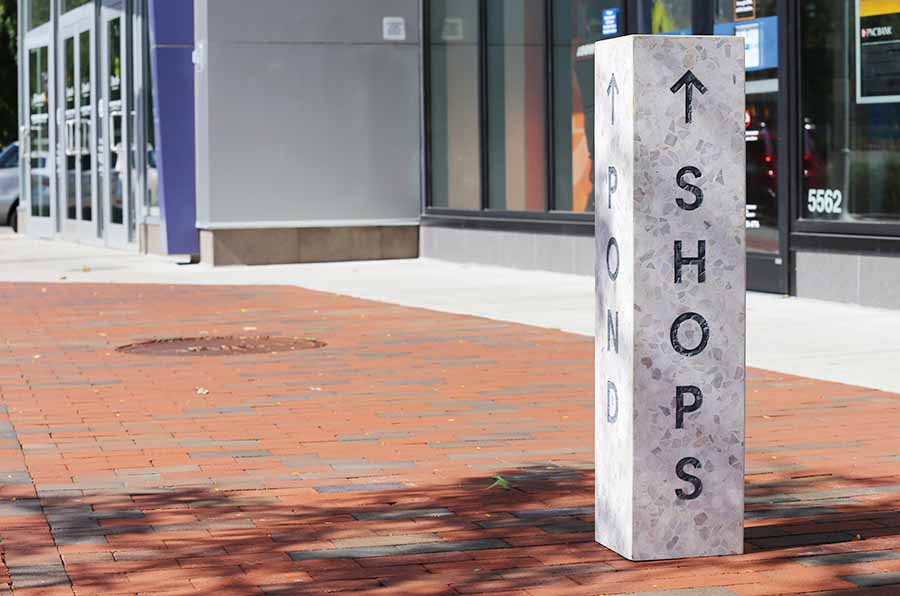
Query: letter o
[609, 246]
[704, 330]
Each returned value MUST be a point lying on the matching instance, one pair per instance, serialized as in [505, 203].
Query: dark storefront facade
[509, 117]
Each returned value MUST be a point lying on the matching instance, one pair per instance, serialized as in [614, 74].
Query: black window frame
[854, 237]
[795, 232]
[504, 218]
[636, 19]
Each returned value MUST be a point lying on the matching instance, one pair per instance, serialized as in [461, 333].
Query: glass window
[86, 103]
[757, 23]
[70, 4]
[117, 150]
[850, 105]
[671, 16]
[39, 138]
[38, 12]
[454, 104]
[9, 158]
[577, 24]
[516, 114]
[150, 125]
[741, 10]
[69, 130]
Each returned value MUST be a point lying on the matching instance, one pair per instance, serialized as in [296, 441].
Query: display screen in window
[851, 147]
[878, 49]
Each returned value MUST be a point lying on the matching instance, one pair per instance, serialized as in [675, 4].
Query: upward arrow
[612, 90]
[688, 81]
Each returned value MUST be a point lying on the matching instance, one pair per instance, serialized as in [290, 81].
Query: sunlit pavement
[365, 465]
[821, 340]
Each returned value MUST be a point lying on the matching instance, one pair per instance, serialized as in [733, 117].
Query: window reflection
[851, 134]
[70, 4]
[116, 122]
[86, 103]
[671, 16]
[454, 92]
[70, 128]
[516, 105]
[39, 12]
[39, 133]
[150, 126]
[577, 24]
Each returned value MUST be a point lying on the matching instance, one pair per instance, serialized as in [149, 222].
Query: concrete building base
[867, 280]
[308, 245]
[150, 239]
[559, 253]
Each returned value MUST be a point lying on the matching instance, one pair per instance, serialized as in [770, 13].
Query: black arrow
[613, 89]
[688, 81]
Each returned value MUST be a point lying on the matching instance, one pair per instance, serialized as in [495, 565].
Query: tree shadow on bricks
[459, 537]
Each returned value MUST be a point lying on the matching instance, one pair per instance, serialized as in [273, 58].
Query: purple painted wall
[171, 44]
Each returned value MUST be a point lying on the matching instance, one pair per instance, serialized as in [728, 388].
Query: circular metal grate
[220, 346]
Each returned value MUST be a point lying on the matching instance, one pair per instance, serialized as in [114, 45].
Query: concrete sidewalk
[822, 340]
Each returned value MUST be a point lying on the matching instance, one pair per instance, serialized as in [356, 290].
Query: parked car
[9, 186]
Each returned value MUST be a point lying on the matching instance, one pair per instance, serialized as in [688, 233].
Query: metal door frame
[117, 235]
[44, 227]
[72, 25]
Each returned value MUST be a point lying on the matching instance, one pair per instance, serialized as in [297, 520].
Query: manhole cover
[220, 346]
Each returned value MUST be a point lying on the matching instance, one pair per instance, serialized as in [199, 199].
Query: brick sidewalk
[365, 466]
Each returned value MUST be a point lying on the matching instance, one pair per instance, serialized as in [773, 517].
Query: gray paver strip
[872, 580]
[38, 576]
[820, 496]
[402, 514]
[392, 540]
[373, 466]
[20, 507]
[358, 488]
[567, 569]
[801, 540]
[558, 512]
[375, 436]
[807, 447]
[238, 454]
[403, 549]
[779, 513]
[686, 592]
[521, 453]
[848, 558]
[214, 443]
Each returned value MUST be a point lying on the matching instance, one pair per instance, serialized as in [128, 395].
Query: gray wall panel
[879, 281]
[309, 21]
[314, 133]
[827, 276]
[310, 116]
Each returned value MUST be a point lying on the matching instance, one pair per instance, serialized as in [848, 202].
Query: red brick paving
[247, 474]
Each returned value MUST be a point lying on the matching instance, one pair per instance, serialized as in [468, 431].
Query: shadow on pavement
[443, 539]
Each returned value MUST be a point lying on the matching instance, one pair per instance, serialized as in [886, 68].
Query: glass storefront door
[39, 159]
[767, 209]
[112, 138]
[757, 22]
[76, 127]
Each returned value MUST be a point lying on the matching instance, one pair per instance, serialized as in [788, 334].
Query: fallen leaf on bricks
[500, 482]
